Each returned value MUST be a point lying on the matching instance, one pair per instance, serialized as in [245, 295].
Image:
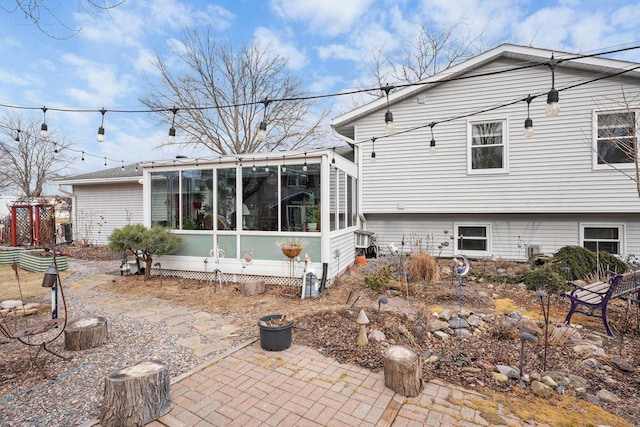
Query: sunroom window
[487, 146]
[616, 138]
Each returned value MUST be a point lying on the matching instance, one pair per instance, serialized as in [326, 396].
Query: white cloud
[100, 81]
[296, 59]
[325, 17]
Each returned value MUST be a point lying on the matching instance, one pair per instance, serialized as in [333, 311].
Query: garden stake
[381, 300]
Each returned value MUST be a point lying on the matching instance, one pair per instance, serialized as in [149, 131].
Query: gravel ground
[73, 393]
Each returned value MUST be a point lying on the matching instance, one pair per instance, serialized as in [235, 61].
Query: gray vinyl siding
[102, 208]
[551, 172]
[548, 231]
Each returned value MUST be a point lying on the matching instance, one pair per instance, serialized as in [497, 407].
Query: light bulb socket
[44, 130]
[553, 96]
[172, 135]
[100, 134]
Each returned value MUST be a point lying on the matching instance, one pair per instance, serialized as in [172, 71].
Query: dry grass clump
[422, 266]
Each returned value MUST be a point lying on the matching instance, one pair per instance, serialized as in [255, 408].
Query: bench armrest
[581, 288]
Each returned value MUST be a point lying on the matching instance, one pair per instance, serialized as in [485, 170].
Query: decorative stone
[591, 363]
[528, 325]
[510, 372]
[568, 380]
[377, 335]
[502, 378]
[548, 381]
[622, 364]
[441, 335]
[540, 389]
[584, 350]
[437, 325]
[445, 315]
[607, 396]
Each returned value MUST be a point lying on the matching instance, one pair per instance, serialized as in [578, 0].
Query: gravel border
[74, 395]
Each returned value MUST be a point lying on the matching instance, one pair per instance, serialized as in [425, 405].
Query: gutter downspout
[358, 156]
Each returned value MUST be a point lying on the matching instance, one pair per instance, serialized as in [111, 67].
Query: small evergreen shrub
[583, 262]
[544, 278]
[379, 279]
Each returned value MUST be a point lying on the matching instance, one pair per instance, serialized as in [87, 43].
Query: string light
[254, 169]
[136, 167]
[122, 167]
[432, 144]
[266, 167]
[82, 156]
[17, 138]
[44, 129]
[262, 129]
[105, 162]
[528, 123]
[333, 159]
[100, 137]
[304, 166]
[388, 117]
[553, 109]
[373, 150]
[172, 130]
[284, 166]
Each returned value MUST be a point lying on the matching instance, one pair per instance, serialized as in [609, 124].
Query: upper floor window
[616, 137]
[487, 146]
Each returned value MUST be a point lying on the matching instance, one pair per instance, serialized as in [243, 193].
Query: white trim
[621, 233]
[488, 239]
[505, 147]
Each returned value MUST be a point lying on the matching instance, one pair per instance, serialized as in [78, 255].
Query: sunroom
[239, 215]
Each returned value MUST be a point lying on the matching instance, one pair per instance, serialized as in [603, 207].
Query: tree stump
[84, 333]
[253, 287]
[136, 395]
[402, 370]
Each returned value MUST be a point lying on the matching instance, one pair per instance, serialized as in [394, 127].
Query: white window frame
[456, 233]
[619, 226]
[594, 132]
[505, 146]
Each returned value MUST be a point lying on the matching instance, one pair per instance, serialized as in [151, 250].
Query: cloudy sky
[87, 59]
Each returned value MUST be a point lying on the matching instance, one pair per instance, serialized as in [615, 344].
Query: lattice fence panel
[23, 225]
[47, 232]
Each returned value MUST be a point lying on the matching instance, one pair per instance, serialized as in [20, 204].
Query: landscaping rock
[540, 389]
[607, 396]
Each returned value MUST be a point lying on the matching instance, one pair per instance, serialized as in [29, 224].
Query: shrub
[539, 279]
[584, 262]
[379, 279]
[422, 266]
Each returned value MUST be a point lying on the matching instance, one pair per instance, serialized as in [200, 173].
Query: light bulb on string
[304, 166]
[528, 123]
[373, 150]
[266, 167]
[100, 137]
[44, 129]
[105, 162]
[172, 130]
[553, 107]
[333, 159]
[122, 167]
[82, 158]
[432, 144]
[254, 169]
[17, 138]
[284, 167]
[136, 167]
[388, 116]
[262, 129]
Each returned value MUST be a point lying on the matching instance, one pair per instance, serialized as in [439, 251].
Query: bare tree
[45, 17]
[218, 93]
[27, 161]
[429, 52]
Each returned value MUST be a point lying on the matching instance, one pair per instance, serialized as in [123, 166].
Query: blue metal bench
[592, 299]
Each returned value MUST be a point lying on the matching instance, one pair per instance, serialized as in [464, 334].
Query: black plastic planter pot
[275, 338]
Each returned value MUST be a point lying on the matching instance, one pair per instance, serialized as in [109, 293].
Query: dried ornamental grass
[422, 266]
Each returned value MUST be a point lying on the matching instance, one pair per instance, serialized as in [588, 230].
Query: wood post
[253, 287]
[136, 395]
[84, 333]
[402, 370]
